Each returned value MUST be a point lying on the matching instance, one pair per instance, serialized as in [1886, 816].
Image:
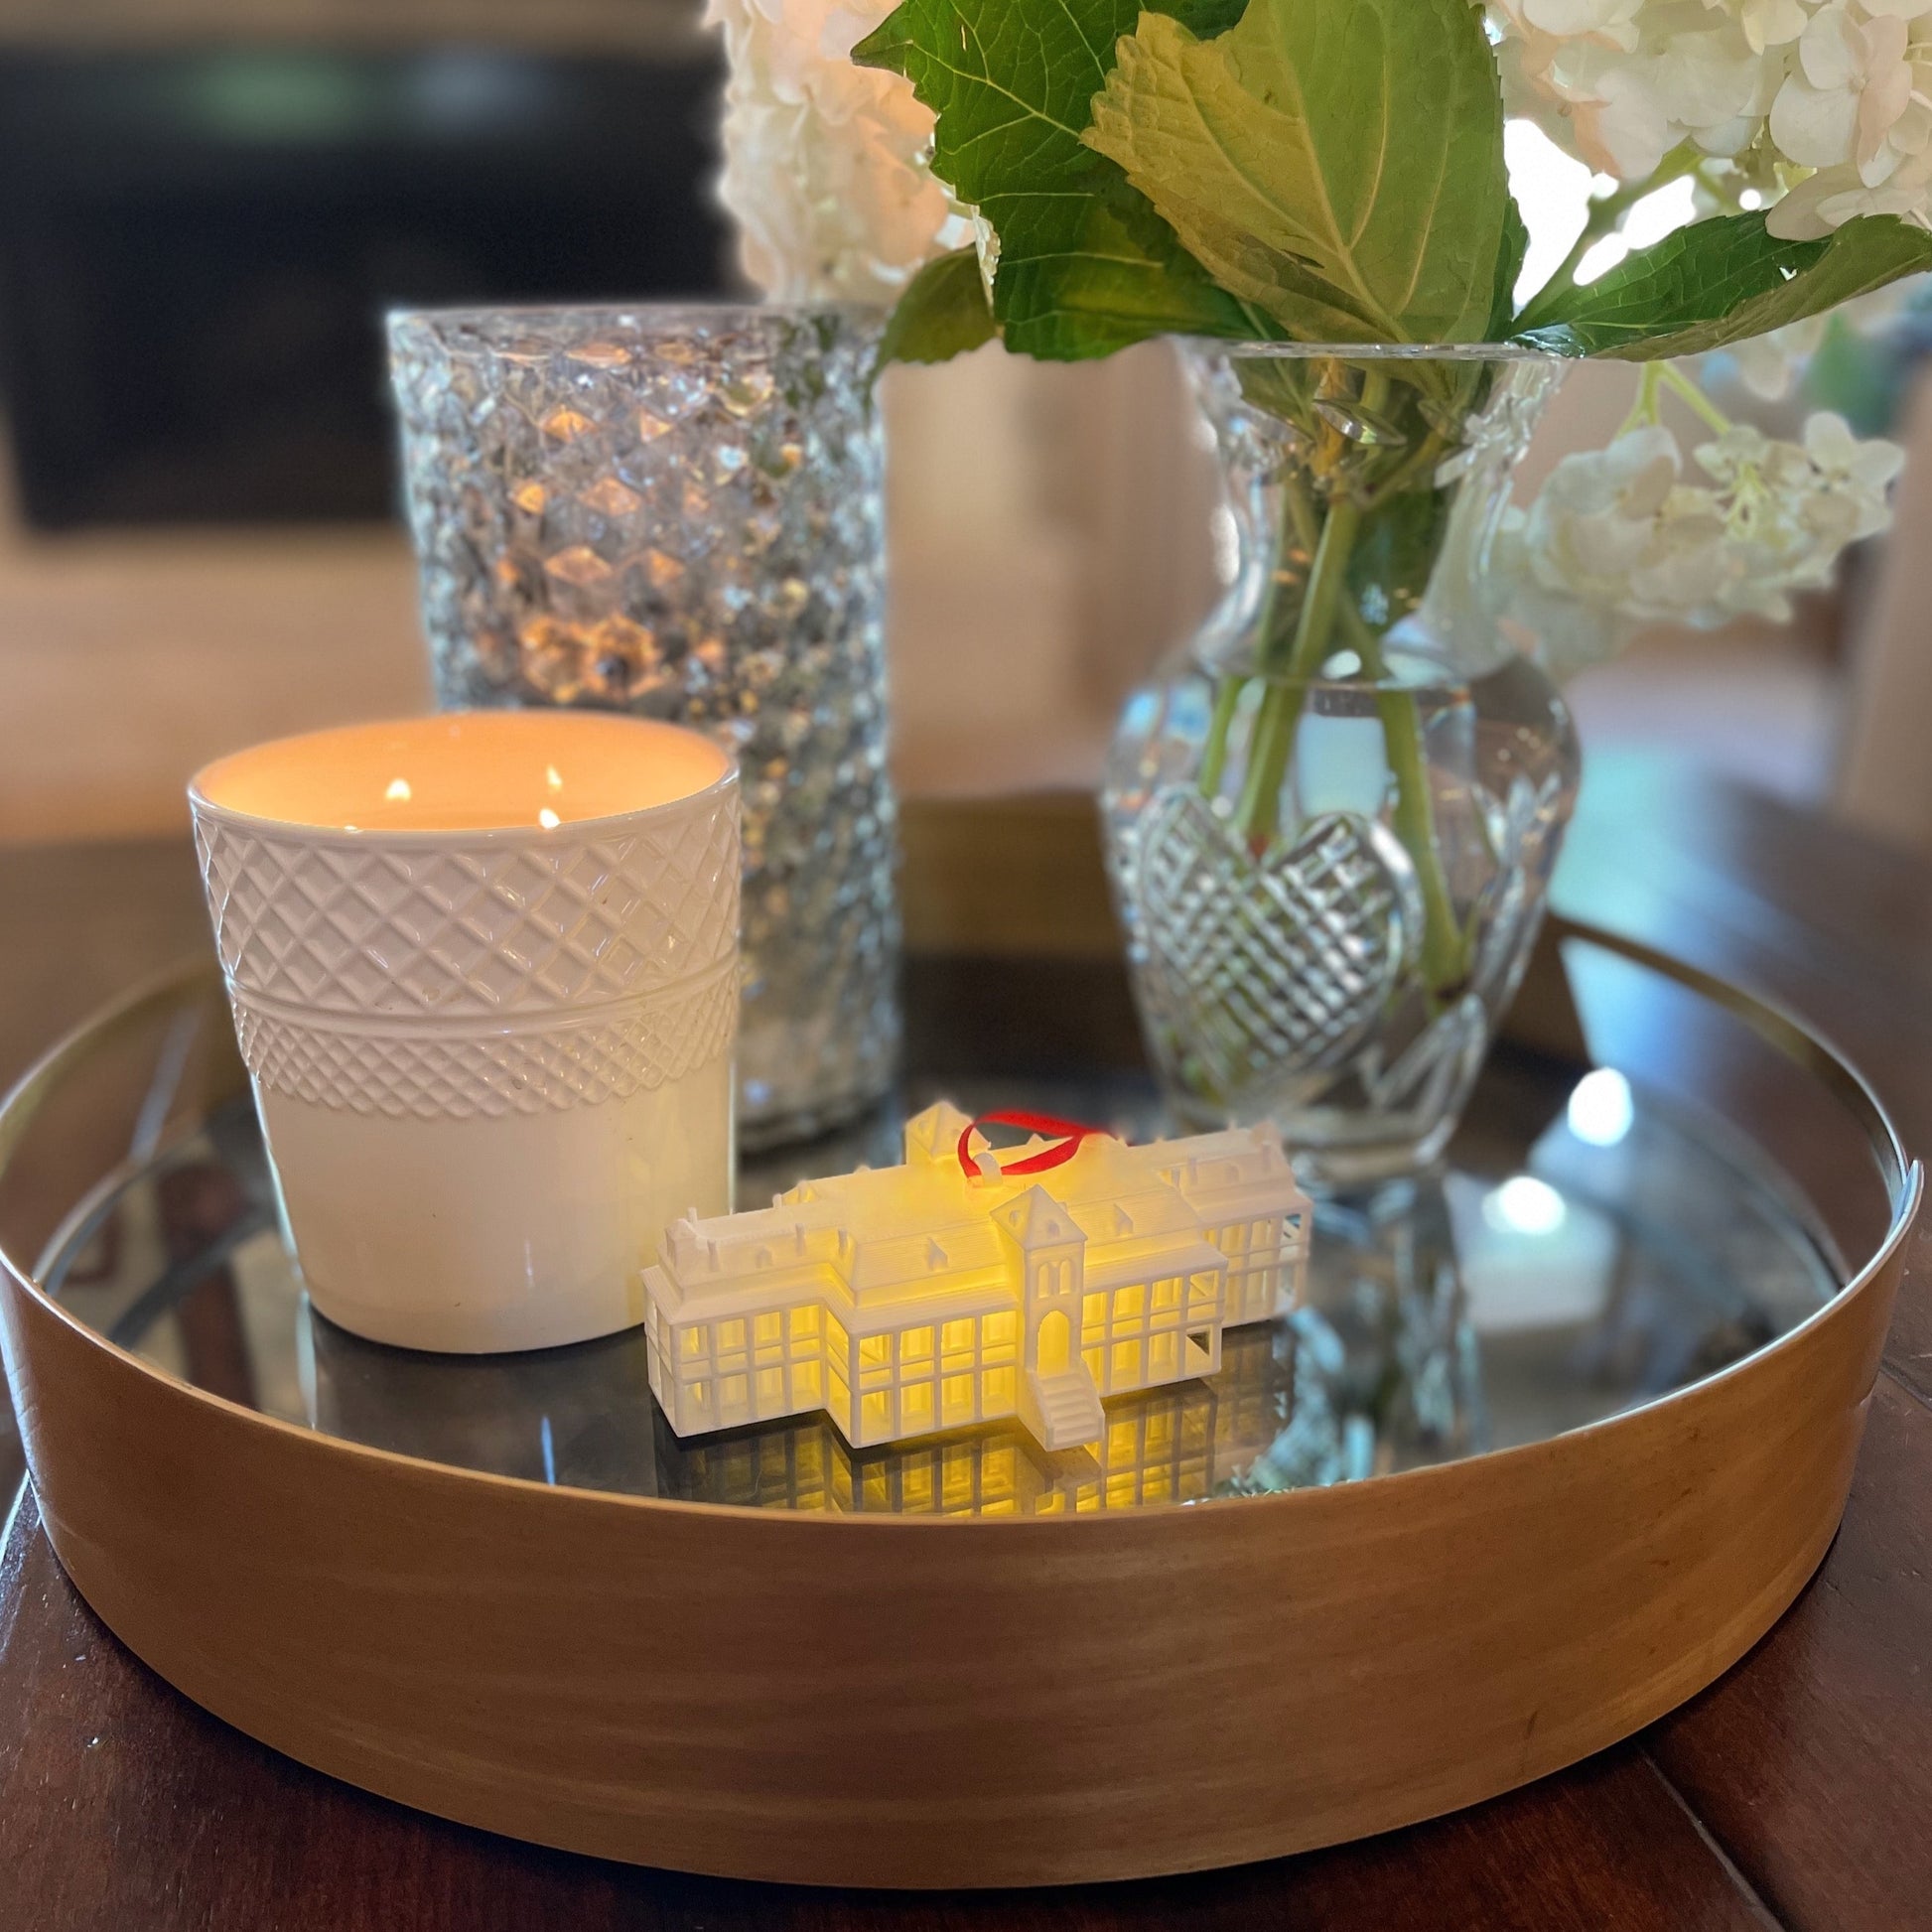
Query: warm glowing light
[1524, 1204]
[466, 770]
[1602, 1110]
[548, 819]
[901, 1300]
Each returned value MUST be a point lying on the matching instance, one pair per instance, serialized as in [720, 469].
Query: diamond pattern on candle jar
[357, 925]
[462, 1077]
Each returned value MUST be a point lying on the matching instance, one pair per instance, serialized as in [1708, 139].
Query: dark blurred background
[196, 244]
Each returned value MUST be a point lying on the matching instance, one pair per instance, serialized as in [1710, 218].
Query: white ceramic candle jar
[483, 969]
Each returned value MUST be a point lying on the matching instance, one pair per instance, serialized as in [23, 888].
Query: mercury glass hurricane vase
[676, 511]
[1333, 817]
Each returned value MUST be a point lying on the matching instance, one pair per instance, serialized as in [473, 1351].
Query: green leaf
[943, 313]
[1720, 281]
[1075, 283]
[1281, 286]
[1509, 265]
[1360, 138]
[1693, 277]
[1085, 265]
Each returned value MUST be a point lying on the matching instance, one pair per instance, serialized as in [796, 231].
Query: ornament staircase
[1063, 1410]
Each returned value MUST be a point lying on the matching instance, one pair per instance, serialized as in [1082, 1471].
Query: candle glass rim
[396, 836]
[663, 317]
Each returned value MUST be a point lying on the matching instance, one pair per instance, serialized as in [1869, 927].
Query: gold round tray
[834, 1696]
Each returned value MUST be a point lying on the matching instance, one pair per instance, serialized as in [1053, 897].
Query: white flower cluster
[826, 164]
[1619, 538]
[1838, 87]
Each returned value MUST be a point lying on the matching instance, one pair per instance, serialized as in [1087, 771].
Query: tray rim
[26, 1315]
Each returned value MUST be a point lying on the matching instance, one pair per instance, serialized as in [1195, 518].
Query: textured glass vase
[678, 512]
[1331, 819]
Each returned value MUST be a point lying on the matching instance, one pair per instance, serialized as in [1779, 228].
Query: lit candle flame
[398, 792]
[553, 777]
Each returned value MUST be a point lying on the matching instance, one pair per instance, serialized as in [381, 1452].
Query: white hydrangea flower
[1831, 99]
[1563, 632]
[1642, 80]
[826, 164]
[1834, 196]
[1766, 22]
[1859, 469]
[1609, 22]
[1615, 113]
[1617, 538]
[1850, 84]
[1594, 520]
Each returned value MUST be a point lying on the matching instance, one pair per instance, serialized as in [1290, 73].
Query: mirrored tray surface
[1591, 1244]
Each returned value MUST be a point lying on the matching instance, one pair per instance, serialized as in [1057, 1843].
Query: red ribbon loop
[1070, 1134]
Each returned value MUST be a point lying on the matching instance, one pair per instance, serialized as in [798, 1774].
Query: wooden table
[1795, 1792]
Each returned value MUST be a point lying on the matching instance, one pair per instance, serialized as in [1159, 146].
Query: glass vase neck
[1368, 488]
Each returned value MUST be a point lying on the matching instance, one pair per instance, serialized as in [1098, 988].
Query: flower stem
[1286, 664]
[1227, 694]
[1648, 407]
[1214, 760]
[1699, 404]
[1258, 814]
[1644, 409]
[1443, 964]
[1289, 669]
[1444, 958]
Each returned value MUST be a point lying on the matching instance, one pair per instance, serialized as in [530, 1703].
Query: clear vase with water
[1333, 817]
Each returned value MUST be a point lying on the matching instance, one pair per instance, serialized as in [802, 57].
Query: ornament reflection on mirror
[963, 1288]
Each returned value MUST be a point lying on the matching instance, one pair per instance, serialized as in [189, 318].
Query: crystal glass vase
[677, 512]
[1331, 819]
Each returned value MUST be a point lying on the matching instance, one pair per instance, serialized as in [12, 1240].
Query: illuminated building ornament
[926, 1296]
